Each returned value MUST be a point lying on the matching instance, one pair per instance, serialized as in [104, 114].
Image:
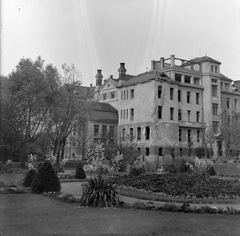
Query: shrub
[46, 180]
[136, 171]
[99, 192]
[29, 178]
[39, 166]
[211, 171]
[80, 173]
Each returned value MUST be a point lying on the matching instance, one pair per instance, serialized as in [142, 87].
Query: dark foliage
[39, 166]
[29, 178]
[99, 192]
[80, 173]
[46, 180]
[137, 171]
[211, 171]
[183, 184]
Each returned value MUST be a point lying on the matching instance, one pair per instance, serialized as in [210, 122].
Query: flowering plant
[31, 160]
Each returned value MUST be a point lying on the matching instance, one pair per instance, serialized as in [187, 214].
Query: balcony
[198, 125]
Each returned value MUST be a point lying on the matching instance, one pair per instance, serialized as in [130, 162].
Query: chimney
[162, 62]
[172, 60]
[90, 85]
[99, 77]
[122, 73]
[153, 65]
[111, 76]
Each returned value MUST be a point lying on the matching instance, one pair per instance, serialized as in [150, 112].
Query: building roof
[103, 112]
[86, 92]
[225, 78]
[199, 60]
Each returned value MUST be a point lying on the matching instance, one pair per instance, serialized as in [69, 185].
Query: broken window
[180, 135]
[132, 93]
[147, 151]
[132, 114]
[179, 95]
[188, 96]
[179, 114]
[197, 98]
[159, 91]
[131, 134]
[159, 112]
[171, 113]
[139, 133]
[171, 93]
[147, 133]
[198, 116]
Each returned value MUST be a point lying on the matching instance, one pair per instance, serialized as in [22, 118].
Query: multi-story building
[174, 103]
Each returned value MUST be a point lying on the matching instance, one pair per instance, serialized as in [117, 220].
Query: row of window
[214, 69]
[189, 95]
[125, 95]
[139, 133]
[189, 114]
[110, 95]
[189, 135]
[104, 132]
[124, 114]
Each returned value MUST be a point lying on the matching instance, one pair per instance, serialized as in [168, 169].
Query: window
[160, 151]
[132, 114]
[197, 98]
[214, 81]
[132, 93]
[198, 136]
[227, 86]
[104, 130]
[159, 91]
[214, 90]
[131, 134]
[180, 152]
[188, 97]
[171, 93]
[216, 69]
[236, 104]
[179, 95]
[122, 95]
[228, 103]
[121, 114]
[159, 112]
[111, 133]
[212, 69]
[221, 85]
[127, 114]
[215, 127]
[123, 134]
[139, 133]
[187, 79]
[189, 135]
[112, 94]
[96, 130]
[171, 113]
[180, 135]
[147, 151]
[147, 133]
[215, 109]
[124, 114]
[189, 115]
[104, 96]
[179, 114]
[127, 94]
[198, 116]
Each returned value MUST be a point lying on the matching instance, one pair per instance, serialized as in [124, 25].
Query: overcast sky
[99, 34]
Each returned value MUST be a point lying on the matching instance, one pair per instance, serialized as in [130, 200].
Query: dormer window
[216, 69]
[212, 69]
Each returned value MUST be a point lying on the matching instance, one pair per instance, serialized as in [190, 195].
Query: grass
[31, 214]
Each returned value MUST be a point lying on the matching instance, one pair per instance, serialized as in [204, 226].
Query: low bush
[210, 170]
[80, 173]
[29, 178]
[99, 192]
[45, 180]
[137, 171]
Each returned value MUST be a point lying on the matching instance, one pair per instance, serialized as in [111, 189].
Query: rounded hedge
[29, 178]
[46, 180]
[80, 173]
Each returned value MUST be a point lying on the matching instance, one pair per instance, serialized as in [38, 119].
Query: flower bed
[184, 185]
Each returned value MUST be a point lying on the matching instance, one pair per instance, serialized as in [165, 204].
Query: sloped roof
[86, 92]
[198, 60]
[103, 112]
[225, 77]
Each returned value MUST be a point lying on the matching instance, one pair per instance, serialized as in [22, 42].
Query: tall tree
[32, 89]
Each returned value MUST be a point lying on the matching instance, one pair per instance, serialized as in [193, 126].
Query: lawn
[30, 214]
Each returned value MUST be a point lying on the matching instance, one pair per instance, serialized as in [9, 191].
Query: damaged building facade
[174, 103]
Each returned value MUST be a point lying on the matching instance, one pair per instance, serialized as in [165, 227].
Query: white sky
[99, 34]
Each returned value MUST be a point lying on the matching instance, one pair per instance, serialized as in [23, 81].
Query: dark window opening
[160, 151]
[159, 91]
[159, 112]
[188, 97]
[187, 79]
[147, 133]
[197, 98]
[131, 134]
[180, 135]
[179, 114]
[139, 133]
[178, 77]
[171, 93]
[179, 95]
[171, 113]
[147, 151]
